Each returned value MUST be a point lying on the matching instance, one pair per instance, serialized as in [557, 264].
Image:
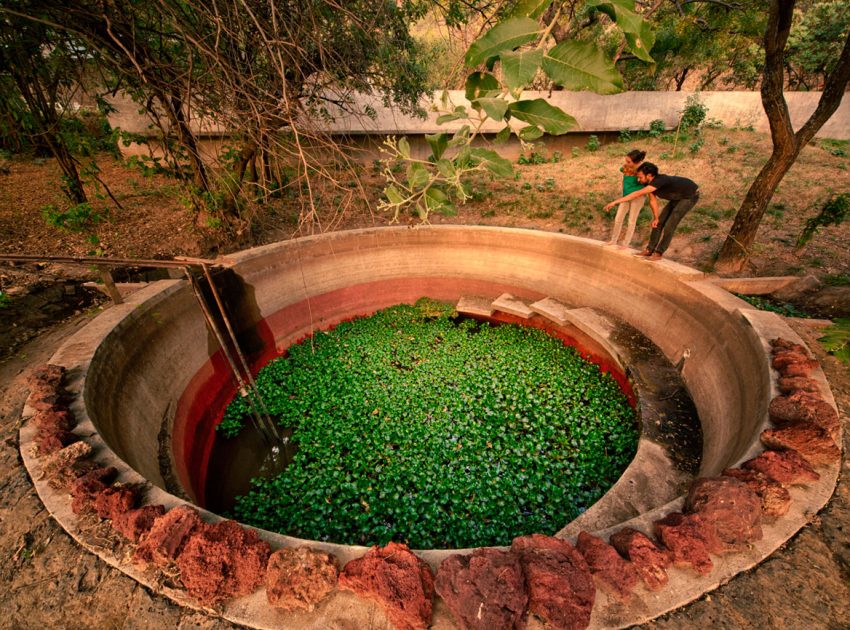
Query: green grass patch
[413, 425]
[774, 306]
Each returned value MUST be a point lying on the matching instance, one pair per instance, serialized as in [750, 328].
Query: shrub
[656, 128]
[833, 212]
[77, 218]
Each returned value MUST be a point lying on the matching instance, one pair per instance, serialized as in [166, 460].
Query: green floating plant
[836, 341]
[414, 425]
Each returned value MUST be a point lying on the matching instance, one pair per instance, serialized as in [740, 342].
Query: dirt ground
[46, 580]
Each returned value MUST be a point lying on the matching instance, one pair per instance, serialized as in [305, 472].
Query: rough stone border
[684, 586]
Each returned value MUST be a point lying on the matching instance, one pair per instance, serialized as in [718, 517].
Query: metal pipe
[247, 370]
[178, 262]
[243, 387]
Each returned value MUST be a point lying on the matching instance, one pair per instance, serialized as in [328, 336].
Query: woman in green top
[633, 207]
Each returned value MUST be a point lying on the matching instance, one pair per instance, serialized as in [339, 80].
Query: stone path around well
[46, 579]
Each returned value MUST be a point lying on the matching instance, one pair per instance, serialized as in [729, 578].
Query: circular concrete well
[149, 380]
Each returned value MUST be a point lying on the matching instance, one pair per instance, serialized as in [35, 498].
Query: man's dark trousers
[673, 212]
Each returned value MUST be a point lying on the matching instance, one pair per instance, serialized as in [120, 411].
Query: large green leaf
[530, 133]
[495, 108]
[639, 34]
[393, 194]
[531, 8]
[494, 162]
[538, 112]
[444, 118]
[507, 35]
[481, 84]
[437, 201]
[446, 168]
[503, 136]
[519, 68]
[438, 142]
[641, 43]
[417, 176]
[582, 66]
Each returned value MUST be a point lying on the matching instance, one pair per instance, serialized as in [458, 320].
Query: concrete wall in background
[594, 113]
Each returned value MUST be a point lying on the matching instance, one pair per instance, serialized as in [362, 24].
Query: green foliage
[838, 148]
[580, 66]
[77, 218]
[719, 43]
[815, 42]
[512, 53]
[696, 145]
[837, 280]
[537, 155]
[593, 143]
[694, 113]
[414, 426]
[5, 300]
[774, 306]
[836, 341]
[833, 212]
[504, 37]
[656, 128]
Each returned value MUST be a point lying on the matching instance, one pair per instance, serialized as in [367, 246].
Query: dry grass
[566, 196]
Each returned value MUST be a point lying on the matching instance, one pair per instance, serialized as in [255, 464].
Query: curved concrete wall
[134, 366]
[148, 360]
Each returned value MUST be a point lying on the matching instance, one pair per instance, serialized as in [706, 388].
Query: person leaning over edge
[681, 195]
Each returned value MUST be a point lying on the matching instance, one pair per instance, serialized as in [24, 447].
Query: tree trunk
[680, 79]
[735, 252]
[174, 106]
[787, 145]
[72, 185]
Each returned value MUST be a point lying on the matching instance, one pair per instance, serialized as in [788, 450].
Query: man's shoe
[656, 256]
[646, 253]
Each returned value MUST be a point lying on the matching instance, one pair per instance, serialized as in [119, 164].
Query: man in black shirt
[681, 195]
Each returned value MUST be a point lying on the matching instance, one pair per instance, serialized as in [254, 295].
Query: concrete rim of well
[741, 324]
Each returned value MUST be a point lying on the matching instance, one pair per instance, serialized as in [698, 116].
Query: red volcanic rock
[65, 477]
[800, 368]
[779, 344]
[729, 505]
[115, 501]
[785, 467]
[398, 580]
[93, 482]
[612, 572]
[690, 539]
[134, 523]
[45, 401]
[803, 406]
[222, 561]
[300, 578]
[783, 358]
[791, 384]
[811, 441]
[56, 463]
[46, 373]
[560, 585]
[49, 442]
[54, 420]
[649, 560]
[775, 498]
[87, 487]
[167, 536]
[484, 590]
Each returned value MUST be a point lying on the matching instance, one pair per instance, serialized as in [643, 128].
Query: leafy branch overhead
[504, 61]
